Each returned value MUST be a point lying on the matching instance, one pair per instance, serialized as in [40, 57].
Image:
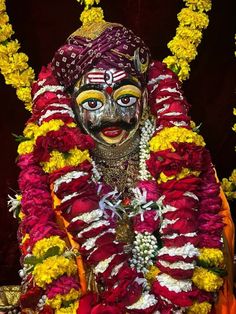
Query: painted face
[109, 105]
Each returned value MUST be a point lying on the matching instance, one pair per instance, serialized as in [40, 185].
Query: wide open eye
[127, 100]
[92, 104]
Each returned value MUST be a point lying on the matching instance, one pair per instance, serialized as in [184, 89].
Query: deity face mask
[108, 105]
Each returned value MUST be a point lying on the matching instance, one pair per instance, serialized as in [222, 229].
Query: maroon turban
[116, 47]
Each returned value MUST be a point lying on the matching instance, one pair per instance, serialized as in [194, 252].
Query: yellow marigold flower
[58, 160]
[56, 302]
[10, 48]
[234, 127]
[182, 48]
[200, 308]
[89, 2]
[201, 5]
[167, 136]
[21, 215]
[2, 5]
[193, 35]
[213, 257]
[29, 106]
[206, 280]
[71, 309]
[20, 79]
[42, 246]
[25, 147]
[52, 268]
[92, 15]
[4, 18]
[183, 174]
[232, 178]
[193, 19]
[234, 111]
[6, 32]
[16, 62]
[24, 94]
[153, 271]
[30, 130]
[227, 185]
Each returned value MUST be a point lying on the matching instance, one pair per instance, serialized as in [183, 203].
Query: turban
[114, 47]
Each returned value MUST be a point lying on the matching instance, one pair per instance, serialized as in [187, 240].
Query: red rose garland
[182, 207]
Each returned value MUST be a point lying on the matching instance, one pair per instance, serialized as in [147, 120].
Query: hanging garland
[13, 64]
[192, 20]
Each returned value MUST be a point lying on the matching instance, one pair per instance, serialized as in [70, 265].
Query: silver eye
[127, 101]
[92, 104]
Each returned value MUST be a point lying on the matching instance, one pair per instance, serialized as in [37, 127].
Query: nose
[111, 108]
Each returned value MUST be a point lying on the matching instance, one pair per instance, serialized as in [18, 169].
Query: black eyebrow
[126, 82]
[88, 87]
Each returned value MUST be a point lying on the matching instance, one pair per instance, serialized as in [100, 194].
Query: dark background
[41, 26]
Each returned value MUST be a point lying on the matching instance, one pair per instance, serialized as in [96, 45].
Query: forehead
[106, 77]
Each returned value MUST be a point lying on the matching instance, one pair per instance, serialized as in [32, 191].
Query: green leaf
[31, 260]
[52, 251]
[20, 138]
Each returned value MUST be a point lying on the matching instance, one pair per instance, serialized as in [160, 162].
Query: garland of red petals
[183, 211]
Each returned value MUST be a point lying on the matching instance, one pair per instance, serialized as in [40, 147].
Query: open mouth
[112, 131]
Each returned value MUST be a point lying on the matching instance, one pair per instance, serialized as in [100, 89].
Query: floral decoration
[192, 20]
[13, 64]
[70, 217]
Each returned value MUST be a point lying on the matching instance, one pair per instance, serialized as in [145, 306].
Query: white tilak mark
[188, 250]
[174, 285]
[68, 197]
[90, 216]
[93, 225]
[192, 195]
[49, 113]
[178, 265]
[48, 88]
[67, 178]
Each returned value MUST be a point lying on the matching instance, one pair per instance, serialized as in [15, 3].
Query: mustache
[107, 124]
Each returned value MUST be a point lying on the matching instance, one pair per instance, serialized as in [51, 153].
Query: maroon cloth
[109, 50]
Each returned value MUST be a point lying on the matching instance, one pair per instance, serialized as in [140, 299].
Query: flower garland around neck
[169, 260]
[13, 64]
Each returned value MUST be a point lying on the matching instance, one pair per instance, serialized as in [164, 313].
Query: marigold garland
[57, 302]
[206, 280]
[192, 20]
[42, 246]
[13, 64]
[51, 268]
[174, 134]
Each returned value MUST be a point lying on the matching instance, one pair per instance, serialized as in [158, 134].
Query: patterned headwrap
[102, 45]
